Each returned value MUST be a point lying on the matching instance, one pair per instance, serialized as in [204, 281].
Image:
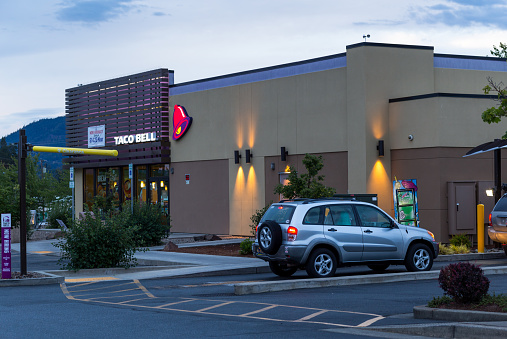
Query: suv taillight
[490, 224]
[292, 233]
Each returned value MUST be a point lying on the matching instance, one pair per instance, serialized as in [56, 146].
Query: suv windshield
[282, 214]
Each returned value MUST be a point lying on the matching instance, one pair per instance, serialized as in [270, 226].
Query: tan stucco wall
[441, 122]
[341, 114]
[304, 113]
[375, 74]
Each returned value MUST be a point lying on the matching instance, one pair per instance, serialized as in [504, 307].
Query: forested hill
[44, 132]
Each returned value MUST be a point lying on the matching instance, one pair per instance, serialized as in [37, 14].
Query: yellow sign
[66, 150]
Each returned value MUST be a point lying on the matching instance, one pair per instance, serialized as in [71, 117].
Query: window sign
[97, 136]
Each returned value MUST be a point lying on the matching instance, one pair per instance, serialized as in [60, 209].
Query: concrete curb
[470, 256]
[273, 286]
[424, 312]
[50, 279]
[444, 330]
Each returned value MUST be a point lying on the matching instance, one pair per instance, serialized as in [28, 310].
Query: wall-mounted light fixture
[273, 166]
[237, 156]
[380, 148]
[490, 192]
[248, 156]
[283, 154]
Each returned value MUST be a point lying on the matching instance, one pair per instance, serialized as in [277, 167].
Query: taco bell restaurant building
[211, 151]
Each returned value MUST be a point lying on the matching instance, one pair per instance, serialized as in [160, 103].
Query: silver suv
[497, 229]
[321, 234]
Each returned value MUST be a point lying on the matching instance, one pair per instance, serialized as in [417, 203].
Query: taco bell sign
[6, 246]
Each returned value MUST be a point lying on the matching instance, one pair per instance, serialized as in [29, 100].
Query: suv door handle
[332, 229]
[368, 231]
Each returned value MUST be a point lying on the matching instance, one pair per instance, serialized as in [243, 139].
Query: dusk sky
[50, 45]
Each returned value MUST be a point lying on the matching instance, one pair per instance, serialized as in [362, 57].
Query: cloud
[92, 11]
[463, 13]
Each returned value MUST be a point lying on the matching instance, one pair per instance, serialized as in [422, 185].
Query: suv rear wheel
[419, 258]
[321, 263]
[281, 269]
[269, 235]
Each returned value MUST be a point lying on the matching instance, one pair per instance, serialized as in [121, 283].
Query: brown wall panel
[335, 171]
[202, 206]
[434, 168]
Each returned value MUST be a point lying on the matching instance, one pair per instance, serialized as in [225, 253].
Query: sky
[47, 46]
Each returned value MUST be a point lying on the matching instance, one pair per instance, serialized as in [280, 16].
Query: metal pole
[498, 174]
[480, 228]
[22, 198]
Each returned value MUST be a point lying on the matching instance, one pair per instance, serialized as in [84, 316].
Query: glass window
[126, 185]
[114, 185]
[89, 186]
[142, 184]
[282, 214]
[372, 217]
[312, 216]
[342, 215]
[102, 182]
[160, 170]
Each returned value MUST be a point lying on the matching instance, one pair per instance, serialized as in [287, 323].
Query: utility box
[371, 198]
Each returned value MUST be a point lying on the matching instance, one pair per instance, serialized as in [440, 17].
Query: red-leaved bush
[464, 282]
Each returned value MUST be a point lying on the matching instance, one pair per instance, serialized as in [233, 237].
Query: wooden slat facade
[128, 105]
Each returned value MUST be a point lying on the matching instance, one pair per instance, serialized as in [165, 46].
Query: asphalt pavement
[155, 263]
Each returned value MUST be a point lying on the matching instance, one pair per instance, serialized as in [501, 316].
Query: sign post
[131, 176]
[71, 185]
[6, 246]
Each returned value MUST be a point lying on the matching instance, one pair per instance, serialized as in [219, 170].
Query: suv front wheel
[419, 258]
[321, 263]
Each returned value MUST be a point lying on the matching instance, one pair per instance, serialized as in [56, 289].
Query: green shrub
[436, 302]
[150, 222]
[96, 243]
[61, 210]
[246, 246]
[464, 282]
[257, 216]
[460, 240]
[460, 249]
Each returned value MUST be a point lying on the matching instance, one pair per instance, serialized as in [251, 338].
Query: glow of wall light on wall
[378, 177]
[251, 182]
[239, 185]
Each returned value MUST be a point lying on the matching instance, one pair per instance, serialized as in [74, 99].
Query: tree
[308, 185]
[8, 153]
[41, 189]
[495, 114]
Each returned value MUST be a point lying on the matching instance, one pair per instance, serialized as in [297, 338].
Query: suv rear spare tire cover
[269, 236]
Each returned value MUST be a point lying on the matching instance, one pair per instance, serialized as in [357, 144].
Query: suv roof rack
[310, 200]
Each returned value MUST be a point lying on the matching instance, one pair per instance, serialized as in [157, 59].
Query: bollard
[480, 228]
